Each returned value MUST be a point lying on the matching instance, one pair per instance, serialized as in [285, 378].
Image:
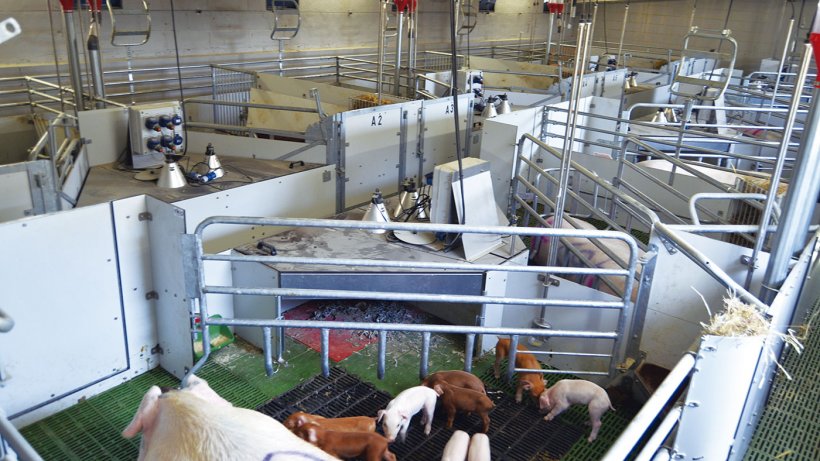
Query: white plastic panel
[14, 189]
[301, 195]
[439, 129]
[672, 327]
[173, 310]
[522, 284]
[107, 129]
[134, 253]
[372, 146]
[69, 330]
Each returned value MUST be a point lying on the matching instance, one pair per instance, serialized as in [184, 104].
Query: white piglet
[396, 417]
[456, 448]
[568, 392]
[196, 424]
[479, 448]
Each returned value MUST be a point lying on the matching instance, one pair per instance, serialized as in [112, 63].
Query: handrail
[667, 233]
[637, 428]
[18, 443]
[693, 212]
[197, 260]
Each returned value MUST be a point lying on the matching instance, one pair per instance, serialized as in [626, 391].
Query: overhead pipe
[94, 57]
[73, 53]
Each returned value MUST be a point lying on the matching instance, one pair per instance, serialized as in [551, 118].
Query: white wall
[211, 29]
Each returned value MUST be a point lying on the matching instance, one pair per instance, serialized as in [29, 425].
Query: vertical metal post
[780, 67]
[380, 63]
[397, 70]
[73, 59]
[280, 332]
[512, 354]
[798, 204]
[581, 53]
[692, 17]
[382, 353]
[549, 39]
[325, 352]
[771, 196]
[425, 354]
[591, 39]
[281, 57]
[687, 114]
[623, 34]
[95, 59]
[468, 352]
[266, 350]
[411, 45]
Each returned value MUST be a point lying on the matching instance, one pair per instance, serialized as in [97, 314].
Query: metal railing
[195, 260]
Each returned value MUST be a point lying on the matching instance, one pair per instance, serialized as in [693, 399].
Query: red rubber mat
[343, 343]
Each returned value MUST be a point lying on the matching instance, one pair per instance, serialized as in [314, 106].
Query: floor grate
[517, 431]
[789, 428]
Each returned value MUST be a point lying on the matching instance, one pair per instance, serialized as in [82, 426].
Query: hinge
[151, 295]
[145, 216]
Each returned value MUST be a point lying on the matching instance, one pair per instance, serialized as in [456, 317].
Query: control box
[156, 130]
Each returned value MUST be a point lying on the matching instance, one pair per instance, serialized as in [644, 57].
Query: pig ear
[312, 435]
[526, 386]
[145, 413]
[301, 419]
[379, 415]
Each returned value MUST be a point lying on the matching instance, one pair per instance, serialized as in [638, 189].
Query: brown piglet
[351, 424]
[365, 445]
[460, 399]
[532, 382]
[455, 378]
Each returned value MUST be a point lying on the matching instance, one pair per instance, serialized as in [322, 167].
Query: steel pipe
[650, 410]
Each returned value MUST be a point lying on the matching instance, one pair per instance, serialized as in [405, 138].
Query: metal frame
[197, 288]
[144, 33]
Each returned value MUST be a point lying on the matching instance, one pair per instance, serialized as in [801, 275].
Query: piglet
[396, 417]
[460, 399]
[479, 448]
[351, 424]
[366, 445]
[532, 382]
[456, 378]
[569, 392]
[456, 448]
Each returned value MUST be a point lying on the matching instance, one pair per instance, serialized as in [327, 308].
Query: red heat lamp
[555, 7]
[410, 5]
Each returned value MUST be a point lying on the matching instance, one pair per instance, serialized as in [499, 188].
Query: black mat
[517, 431]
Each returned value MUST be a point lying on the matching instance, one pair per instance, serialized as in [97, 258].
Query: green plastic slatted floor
[91, 429]
[789, 429]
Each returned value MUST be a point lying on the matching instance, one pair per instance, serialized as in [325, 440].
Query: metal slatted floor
[789, 429]
[517, 431]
